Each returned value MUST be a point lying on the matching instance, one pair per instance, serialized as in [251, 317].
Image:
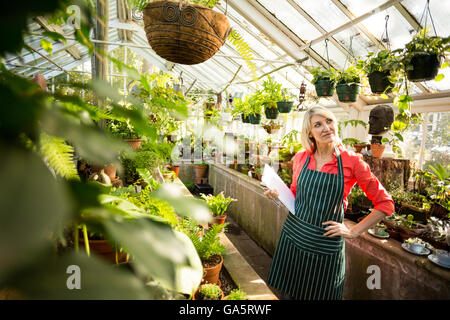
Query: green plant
[255, 103]
[241, 106]
[218, 204]
[271, 93]
[357, 196]
[351, 75]
[421, 43]
[384, 61]
[210, 291]
[323, 74]
[237, 294]
[210, 244]
[441, 184]
[122, 129]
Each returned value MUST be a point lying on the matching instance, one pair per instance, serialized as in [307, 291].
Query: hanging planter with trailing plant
[424, 54]
[271, 111]
[349, 85]
[255, 118]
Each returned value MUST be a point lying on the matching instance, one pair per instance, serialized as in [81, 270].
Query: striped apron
[306, 264]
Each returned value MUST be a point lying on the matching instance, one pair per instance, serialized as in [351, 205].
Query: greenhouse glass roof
[278, 32]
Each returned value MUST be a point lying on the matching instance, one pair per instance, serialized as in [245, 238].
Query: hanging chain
[426, 12]
[385, 32]
[328, 57]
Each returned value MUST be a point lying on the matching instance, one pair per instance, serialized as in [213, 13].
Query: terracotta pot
[377, 150]
[134, 143]
[175, 169]
[212, 273]
[358, 147]
[104, 249]
[218, 220]
[110, 171]
[201, 171]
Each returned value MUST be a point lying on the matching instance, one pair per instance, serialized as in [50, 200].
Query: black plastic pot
[379, 82]
[245, 119]
[325, 88]
[285, 106]
[255, 118]
[424, 67]
[348, 92]
[271, 112]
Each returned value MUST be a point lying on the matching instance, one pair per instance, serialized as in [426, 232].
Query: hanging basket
[245, 119]
[425, 67]
[184, 33]
[284, 106]
[325, 88]
[255, 118]
[379, 82]
[348, 92]
[271, 112]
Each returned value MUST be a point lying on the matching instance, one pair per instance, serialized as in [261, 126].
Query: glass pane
[337, 58]
[292, 19]
[324, 12]
[440, 11]
[360, 7]
[399, 29]
[360, 44]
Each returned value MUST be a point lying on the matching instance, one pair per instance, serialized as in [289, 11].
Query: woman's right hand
[271, 194]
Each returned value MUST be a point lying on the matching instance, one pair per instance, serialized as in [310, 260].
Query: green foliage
[210, 244]
[323, 74]
[241, 106]
[286, 176]
[59, 155]
[422, 43]
[291, 137]
[357, 196]
[349, 76]
[217, 204]
[122, 129]
[243, 49]
[353, 123]
[237, 294]
[272, 92]
[383, 61]
[210, 291]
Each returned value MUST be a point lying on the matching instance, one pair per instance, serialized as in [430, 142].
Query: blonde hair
[309, 143]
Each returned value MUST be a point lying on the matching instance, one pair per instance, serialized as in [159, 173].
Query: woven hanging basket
[184, 33]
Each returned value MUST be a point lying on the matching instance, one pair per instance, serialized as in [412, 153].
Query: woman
[309, 261]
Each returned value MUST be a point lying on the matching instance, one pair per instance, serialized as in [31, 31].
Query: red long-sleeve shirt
[356, 170]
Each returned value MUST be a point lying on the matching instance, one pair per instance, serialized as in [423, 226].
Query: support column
[99, 63]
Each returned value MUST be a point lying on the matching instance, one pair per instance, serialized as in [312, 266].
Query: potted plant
[324, 81]
[125, 130]
[201, 170]
[242, 108]
[218, 205]
[271, 94]
[440, 184]
[286, 103]
[255, 106]
[236, 294]
[383, 70]
[210, 251]
[348, 84]
[377, 148]
[208, 291]
[272, 126]
[423, 56]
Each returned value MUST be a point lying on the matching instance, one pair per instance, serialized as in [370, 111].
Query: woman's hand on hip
[336, 229]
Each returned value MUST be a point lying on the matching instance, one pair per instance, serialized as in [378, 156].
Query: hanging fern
[59, 156]
[244, 50]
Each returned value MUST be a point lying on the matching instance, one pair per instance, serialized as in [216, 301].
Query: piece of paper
[274, 182]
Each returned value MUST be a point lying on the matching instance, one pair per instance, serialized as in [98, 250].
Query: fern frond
[59, 156]
[244, 50]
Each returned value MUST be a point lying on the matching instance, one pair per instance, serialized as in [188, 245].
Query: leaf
[47, 279]
[193, 208]
[47, 45]
[33, 206]
[384, 96]
[159, 252]
[56, 36]
[439, 77]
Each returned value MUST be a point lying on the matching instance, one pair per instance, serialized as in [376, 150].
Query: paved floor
[255, 255]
